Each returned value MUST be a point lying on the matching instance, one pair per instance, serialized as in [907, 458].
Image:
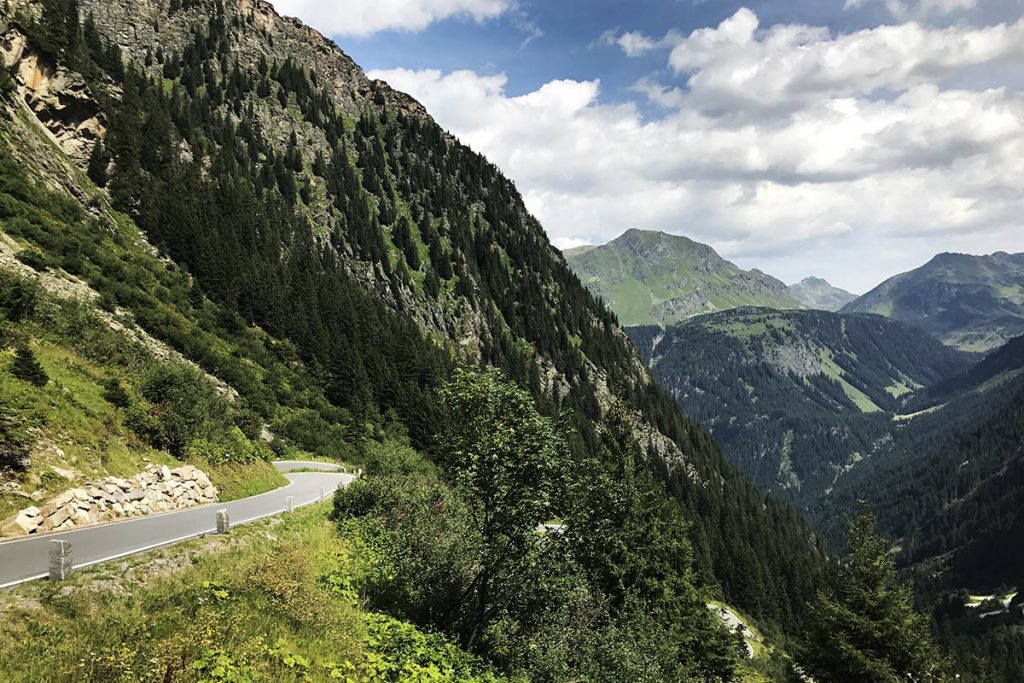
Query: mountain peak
[818, 293]
[975, 303]
[654, 277]
[816, 281]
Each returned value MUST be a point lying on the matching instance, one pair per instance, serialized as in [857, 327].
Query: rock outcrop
[158, 489]
[59, 98]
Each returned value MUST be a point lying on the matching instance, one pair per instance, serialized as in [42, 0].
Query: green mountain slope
[232, 185]
[814, 292]
[975, 303]
[954, 498]
[654, 278]
[796, 398]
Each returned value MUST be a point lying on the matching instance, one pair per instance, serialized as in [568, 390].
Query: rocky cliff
[59, 98]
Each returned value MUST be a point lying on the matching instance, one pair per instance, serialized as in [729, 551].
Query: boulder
[62, 499]
[21, 525]
[60, 515]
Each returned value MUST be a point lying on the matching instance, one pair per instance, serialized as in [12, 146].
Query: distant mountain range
[815, 292]
[975, 303]
[796, 398]
[650, 277]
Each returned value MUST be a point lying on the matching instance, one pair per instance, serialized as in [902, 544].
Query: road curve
[24, 559]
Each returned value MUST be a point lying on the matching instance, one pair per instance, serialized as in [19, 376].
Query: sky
[846, 139]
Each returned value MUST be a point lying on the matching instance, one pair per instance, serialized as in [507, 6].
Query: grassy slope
[633, 285]
[269, 600]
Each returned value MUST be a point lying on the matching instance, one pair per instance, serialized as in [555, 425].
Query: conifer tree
[25, 367]
[864, 625]
[98, 162]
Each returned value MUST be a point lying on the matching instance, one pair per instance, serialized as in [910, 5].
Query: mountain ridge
[816, 292]
[975, 303]
[649, 277]
[376, 252]
[796, 398]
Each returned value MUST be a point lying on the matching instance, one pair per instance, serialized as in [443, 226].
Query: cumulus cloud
[365, 17]
[845, 167]
[774, 147]
[738, 66]
[634, 43]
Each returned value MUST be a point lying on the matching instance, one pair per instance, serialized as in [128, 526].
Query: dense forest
[796, 398]
[838, 410]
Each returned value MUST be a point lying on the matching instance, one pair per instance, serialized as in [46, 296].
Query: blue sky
[849, 139]
[569, 44]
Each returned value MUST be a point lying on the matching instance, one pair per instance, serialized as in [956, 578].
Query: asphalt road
[24, 559]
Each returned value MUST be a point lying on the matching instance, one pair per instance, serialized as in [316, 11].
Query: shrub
[115, 394]
[18, 296]
[14, 439]
[34, 259]
[186, 406]
[233, 447]
[6, 82]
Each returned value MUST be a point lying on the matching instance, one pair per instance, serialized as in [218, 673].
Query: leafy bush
[18, 296]
[232, 447]
[6, 82]
[309, 431]
[218, 666]
[34, 259]
[186, 406]
[14, 437]
[115, 394]
[393, 458]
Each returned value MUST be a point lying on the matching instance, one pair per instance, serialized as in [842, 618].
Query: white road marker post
[60, 560]
[289, 503]
[223, 523]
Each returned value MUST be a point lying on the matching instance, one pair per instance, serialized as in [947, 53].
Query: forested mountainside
[975, 303]
[649, 277]
[952, 503]
[230, 185]
[952, 499]
[833, 411]
[815, 292]
[796, 398]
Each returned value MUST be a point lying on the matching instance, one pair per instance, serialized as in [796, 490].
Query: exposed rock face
[158, 489]
[59, 98]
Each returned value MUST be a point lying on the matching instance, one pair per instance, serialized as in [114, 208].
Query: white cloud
[365, 17]
[905, 9]
[806, 171]
[634, 43]
[738, 66]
